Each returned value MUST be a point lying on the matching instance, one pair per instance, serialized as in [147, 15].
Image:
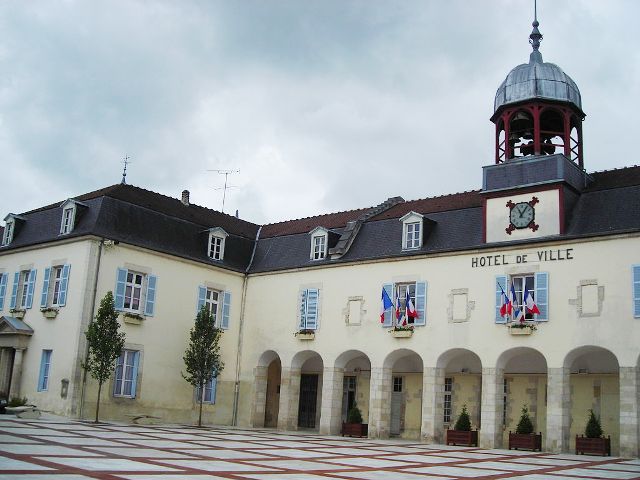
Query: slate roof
[132, 215]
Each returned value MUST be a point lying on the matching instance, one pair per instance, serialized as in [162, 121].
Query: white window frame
[410, 222]
[447, 401]
[54, 285]
[319, 243]
[216, 243]
[208, 389]
[401, 293]
[209, 302]
[9, 227]
[128, 363]
[131, 287]
[519, 282]
[68, 217]
[23, 289]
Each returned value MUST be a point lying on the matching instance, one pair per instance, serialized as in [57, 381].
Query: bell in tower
[538, 110]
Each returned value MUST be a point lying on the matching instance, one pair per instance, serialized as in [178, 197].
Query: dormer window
[217, 237]
[67, 221]
[318, 243]
[8, 231]
[71, 209]
[412, 228]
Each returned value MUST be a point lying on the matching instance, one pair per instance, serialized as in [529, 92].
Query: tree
[593, 429]
[202, 356]
[464, 421]
[524, 425]
[105, 344]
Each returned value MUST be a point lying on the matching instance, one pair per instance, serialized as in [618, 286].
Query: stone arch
[353, 378]
[403, 413]
[265, 405]
[304, 393]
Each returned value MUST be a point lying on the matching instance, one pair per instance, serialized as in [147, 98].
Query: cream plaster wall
[529, 391]
[466, 391]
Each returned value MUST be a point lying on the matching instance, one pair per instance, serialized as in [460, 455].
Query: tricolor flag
[398, 313]
[513, 300]
[411, 309]
[528, 301]
[385, 304]
[518, 314]
[505, 304]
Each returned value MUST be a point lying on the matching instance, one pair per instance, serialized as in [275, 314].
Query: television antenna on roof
[226, 174]
[126, 162]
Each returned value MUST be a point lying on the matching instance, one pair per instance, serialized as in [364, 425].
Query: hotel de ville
[525, 293]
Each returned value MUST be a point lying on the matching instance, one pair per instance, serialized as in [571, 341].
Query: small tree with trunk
[105, 344]
[202, 356]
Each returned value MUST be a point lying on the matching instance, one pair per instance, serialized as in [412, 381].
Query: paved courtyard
[54, 448]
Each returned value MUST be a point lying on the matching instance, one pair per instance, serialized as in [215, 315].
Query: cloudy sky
[322, 105]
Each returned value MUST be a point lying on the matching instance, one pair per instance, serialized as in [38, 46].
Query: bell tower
[538, 110]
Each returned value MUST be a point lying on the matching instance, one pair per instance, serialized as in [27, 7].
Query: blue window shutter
[119, 373]
[31, 287]
[64, 282]
[43, 370]
[121, 280]
[303, 309]
[45, 287]
[542, 296]
[134, 374]
[14, 290]
[149, 305]
[312, 308]
[202, 296]
[501, 286]
[214, 389]
[3, 288]
[636, 291]
[421, 303]
[226, 309]
[388, 314]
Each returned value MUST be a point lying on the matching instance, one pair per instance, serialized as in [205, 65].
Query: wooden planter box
[593, 446]
[355, 429]
[402, 333]
[525, 441]
[462, 437]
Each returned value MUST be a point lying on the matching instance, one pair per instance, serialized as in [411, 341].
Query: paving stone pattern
[54, 448]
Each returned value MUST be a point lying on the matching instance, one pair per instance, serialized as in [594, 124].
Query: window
[3, 288]
[126, 374]
[412, 230]
[398, 294]
[45, 364]
[67, 220]
[636, 291]
[319, 237]
[217, 302]
[217, 238]
[8, 232]
[54, 286]
[209, 393]
[309, 309]
[397, 384]
[505, 390]
[135, 292]
[448, 388]
[536, 284]
[22, 292]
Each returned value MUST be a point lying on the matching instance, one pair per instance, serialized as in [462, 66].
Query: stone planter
[402, 333]
[306, 336]
[19, 314]
[355, 429]
[520, 331]
[132, 320]
[593, 446]
[50, 314]
[525, 441]
[462, 437]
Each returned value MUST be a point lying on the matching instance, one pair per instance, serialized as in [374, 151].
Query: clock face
[521, 215]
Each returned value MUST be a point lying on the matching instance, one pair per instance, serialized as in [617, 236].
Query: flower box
[402, 333]
[525, 441]
[468, 438]
[50, 313]
[19, 314]
[355, 429]
[306, 335]
[526, 330]
[593, 446]
[132, 318]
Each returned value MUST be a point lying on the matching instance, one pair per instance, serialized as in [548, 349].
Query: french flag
[512, 299]
[398, 313]
[385, 304]
[518, 315]
[504, 308]
[411, 309]
[528, 301]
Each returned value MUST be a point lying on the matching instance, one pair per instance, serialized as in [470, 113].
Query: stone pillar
[492, 399]
[16, 374]
[289, 398]
[259, 400]
[331, 410]
[629, 404]
[6, 359]
[558, 409]
[380, 402]
[433, 405]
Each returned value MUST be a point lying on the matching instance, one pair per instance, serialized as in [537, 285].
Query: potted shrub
[462, 433]
[354, 427]
[593, 442]
[524, 438]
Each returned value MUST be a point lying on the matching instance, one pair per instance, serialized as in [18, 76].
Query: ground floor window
[448, 388]
[126, 374]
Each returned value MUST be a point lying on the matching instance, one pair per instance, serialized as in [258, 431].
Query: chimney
[237, 213]
[185, 197]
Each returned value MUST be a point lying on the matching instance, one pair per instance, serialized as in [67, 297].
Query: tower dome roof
[537, 79]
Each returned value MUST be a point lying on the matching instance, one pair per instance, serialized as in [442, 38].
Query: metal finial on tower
[126, 162]
[536, 37]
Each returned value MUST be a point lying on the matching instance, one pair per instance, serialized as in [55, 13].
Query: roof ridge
[316, 216]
